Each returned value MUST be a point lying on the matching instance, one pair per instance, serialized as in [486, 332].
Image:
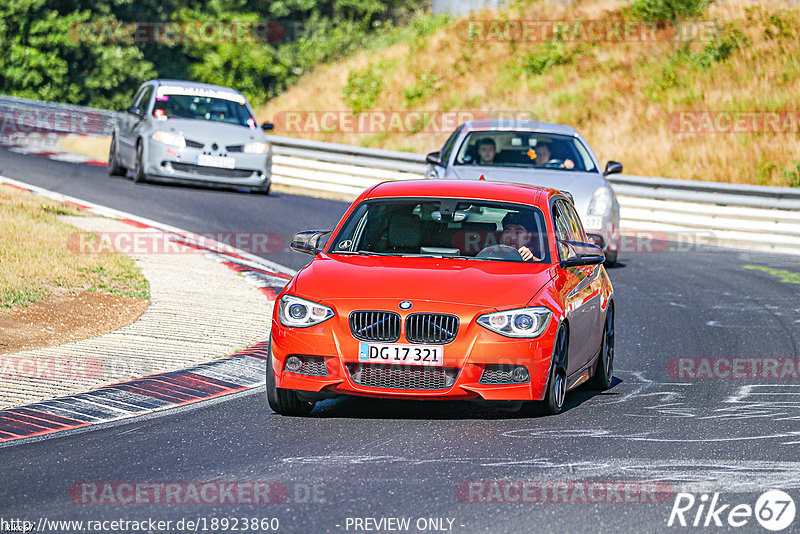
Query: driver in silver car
[545, 156]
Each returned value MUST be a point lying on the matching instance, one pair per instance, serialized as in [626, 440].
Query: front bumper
[179, 163]
[473, 349]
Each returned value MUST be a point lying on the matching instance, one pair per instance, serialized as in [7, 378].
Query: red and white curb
[236, 372]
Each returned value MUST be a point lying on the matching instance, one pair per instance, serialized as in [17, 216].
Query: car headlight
[524, 322]
[256, 147]
[301, 313]
[601, 201]
[169, 138]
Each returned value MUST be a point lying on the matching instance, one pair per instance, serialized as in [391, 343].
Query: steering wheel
[554, 163]
[500, 252]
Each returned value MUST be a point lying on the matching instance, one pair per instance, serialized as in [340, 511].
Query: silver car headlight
[601, 201]
[256, 147]
[524, 322]
[300, 313]
[169, 138]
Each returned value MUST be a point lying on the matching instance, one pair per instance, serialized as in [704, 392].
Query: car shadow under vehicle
[369, 408]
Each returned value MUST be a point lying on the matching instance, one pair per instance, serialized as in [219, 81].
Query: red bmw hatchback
[443, 289]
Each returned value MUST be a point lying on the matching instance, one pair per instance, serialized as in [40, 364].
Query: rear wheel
[611, 259]
[114, 168]
[605, 364]
[284, 401]
[139, 176]
[553, 402]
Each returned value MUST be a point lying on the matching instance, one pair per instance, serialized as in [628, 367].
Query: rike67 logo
[774, 510]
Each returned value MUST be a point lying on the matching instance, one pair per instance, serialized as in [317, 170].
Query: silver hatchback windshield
[526, 150]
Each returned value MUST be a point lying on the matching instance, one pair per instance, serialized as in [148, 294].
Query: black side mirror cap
[308, 242]
[613, 167]
[434, 158]
[579, 254]
[267, 126]
[133, 110]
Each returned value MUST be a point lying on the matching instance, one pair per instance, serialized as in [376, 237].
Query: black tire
[261, 189]
[605, 363]
[611, 259]
[284, 401]
[139, 177]
[553, 402]
[114, 168]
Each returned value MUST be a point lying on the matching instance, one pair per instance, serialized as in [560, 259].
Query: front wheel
[139, 176]
[611, 259]
[605, 363]
[553, 402]
[261, 189]
[284, 401]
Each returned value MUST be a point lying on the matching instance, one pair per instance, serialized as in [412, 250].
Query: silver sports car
[536, 153]
[194, 132]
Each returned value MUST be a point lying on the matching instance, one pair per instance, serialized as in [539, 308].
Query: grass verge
[35, 260]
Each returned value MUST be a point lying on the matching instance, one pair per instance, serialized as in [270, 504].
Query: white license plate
[593, 222]
[215, 161]
[400, 354]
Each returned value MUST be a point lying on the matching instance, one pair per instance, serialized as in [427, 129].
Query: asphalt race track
[360, 458]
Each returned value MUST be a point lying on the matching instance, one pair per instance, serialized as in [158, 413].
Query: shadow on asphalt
[200, 186]
[368, 408]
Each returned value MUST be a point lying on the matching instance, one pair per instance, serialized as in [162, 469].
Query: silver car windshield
[446, 228]
[525, 149]
[202, 108]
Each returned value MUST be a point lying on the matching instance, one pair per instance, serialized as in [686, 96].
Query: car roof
[198, 85]
[471, 189]
[481, 125]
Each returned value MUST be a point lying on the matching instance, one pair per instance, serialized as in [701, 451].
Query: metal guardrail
[21, 116]
[739, 215]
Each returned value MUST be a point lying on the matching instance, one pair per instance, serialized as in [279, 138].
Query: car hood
[581, 185]
[219, 132]
[484, 284]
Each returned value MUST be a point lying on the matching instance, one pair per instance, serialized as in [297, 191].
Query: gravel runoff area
[200, 310]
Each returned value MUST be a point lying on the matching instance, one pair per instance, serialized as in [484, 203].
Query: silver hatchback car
[536, 153]
[191, 132]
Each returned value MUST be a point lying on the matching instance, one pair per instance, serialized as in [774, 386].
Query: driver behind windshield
[544, 156]
[517, 233]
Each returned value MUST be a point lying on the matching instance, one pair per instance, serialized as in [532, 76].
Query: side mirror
[308, 242]
[578, 254]
[133, 110]
[434, 158]
[613, 167]
[267, 126]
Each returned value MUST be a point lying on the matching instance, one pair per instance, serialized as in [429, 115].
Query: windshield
[203, 108]
[525, 149]
[454, 228]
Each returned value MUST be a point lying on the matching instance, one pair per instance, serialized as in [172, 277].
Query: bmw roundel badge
[405, 305]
